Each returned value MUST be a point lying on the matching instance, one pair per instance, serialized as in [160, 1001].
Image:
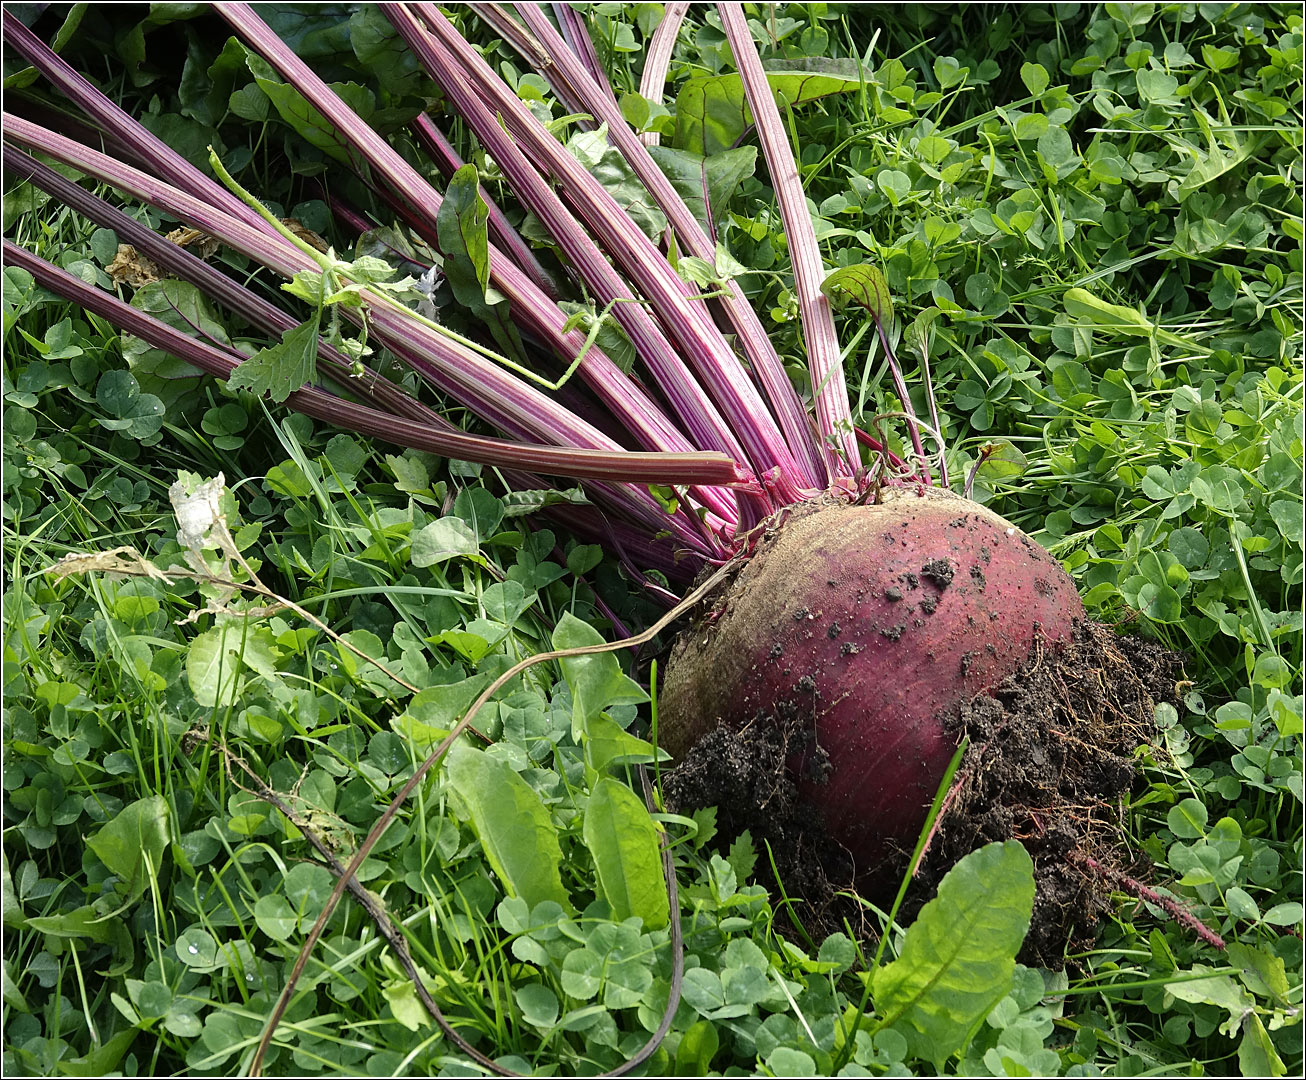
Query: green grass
[994, 161]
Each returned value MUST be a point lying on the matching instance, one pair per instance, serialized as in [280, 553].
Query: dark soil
[1050, 760]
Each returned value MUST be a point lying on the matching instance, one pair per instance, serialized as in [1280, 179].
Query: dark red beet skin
[868, 626]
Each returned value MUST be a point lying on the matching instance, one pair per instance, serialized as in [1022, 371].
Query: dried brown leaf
[121, 560]
[304, 233]
[199, 243]
[130, 267]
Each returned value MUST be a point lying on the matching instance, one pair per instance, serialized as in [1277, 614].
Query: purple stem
[824, 360]
[622, 466]
[263, 314]
[483, 386]
[551, 57]
[628, 401]
[637, 414]
[900, 388]
[657, 61]
[743, 418]
[141, 144]
[576, 34]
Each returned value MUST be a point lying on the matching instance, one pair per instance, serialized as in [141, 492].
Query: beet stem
[1176, 911]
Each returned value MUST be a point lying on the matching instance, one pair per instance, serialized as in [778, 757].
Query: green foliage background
[1091, 214]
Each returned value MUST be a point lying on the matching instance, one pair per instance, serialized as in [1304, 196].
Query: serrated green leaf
[410, 474]
[611, 338]
[307, 285]
[742, 855]
[281, 369]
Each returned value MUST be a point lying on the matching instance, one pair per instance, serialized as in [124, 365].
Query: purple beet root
[867, 627]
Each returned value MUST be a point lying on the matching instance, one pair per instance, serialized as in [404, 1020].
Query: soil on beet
[1051, 758]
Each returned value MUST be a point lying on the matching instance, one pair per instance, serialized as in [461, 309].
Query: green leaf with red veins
[861, 284]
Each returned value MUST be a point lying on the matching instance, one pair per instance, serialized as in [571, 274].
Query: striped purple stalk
[486, 388]
[557, 63]
[704, 423]
[705, 468]
[824, 360]
[144, 145]
[747, 419]
[657, 61]
[216, 285]
[633, 409]
[571, 24]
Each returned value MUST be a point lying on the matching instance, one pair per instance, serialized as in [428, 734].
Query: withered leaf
[130, 267]
[304, 233]
[200, 243]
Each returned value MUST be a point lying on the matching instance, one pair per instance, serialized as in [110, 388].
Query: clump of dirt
[1050, 759]
[747, 775]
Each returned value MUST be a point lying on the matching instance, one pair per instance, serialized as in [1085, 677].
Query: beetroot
[868, 627]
